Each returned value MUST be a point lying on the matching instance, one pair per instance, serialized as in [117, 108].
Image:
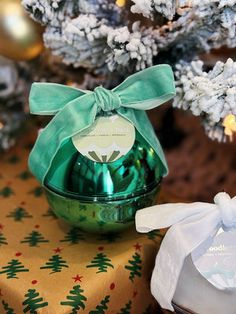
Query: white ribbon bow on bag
[191, 225]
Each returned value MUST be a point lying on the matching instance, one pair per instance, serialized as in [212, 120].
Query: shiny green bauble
[103, 197]
[98, 216]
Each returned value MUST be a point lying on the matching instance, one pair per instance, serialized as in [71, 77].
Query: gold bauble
[20, 36]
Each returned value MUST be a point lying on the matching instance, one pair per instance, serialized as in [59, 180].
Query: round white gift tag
[107, 140]
[216, 261]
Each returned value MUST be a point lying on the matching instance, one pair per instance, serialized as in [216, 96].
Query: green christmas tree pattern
[49, 213]
[126, 309]
[7, 191]
[12, 268]
[102, 262]
[74, 236]
[109, 237]
[152, 235]
[55, 263]
[75, 300]
[148, 309]
[29, 146]
[3, 240]
[14, 159]
[24, 175]
[34, 238]
[100, 308]
[134, 266]
[33, 302]
[19, 214]
[38, 191]
[7, 308]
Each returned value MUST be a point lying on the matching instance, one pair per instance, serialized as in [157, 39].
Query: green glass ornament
[97, 174]
[103, 197]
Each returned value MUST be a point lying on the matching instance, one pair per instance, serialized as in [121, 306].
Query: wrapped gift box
[51, 267]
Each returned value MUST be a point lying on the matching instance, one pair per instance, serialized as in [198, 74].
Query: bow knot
[106, 99]
[227, 208]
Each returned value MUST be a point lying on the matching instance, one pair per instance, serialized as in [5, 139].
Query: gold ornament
[229, 124]
[120, 3]
[20, 36]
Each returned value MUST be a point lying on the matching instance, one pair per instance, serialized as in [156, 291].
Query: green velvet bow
[76, 110]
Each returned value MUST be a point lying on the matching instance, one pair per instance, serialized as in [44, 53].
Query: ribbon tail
[142, 124]
[49, 98]
[76, 116]
[165, 215]
[148, 88]
[179, 241]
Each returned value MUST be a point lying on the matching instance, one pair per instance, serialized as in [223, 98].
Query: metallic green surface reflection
[114, 216]
[103, 197]
[75, 176]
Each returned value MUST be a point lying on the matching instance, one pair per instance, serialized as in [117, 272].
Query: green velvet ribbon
[75, 110]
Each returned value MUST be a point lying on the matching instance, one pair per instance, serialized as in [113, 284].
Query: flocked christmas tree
[13, 268]
[102, 262]
[75, 299]
[208, 94]
[134, 266]
[118, 37]
[19, 214]
[3, 240]
[34, 238]
[102, 307]
[33, 302]
[74, 236]
[12, 99]
[55, 263]
[7, 308]
[126, 309]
